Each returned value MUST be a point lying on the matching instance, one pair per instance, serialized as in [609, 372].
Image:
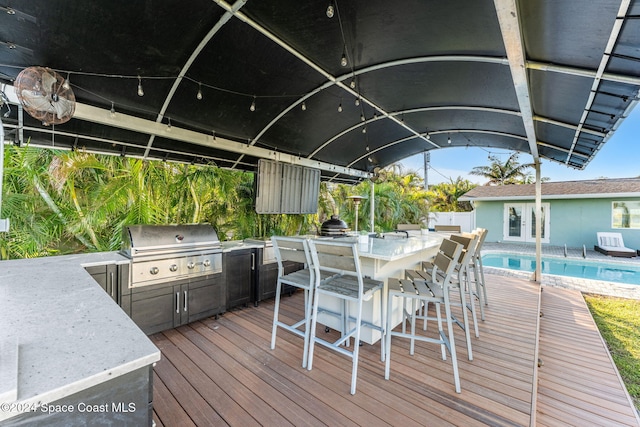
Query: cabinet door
[99, 274]
[269, 279]
[238, 267]
[107, 277]
[204, 298]
[124, 292]
[157, 308]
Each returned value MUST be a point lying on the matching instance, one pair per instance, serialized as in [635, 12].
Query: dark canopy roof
[550, 78]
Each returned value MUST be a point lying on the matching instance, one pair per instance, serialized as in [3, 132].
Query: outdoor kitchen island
[67, 350]
[380, 259]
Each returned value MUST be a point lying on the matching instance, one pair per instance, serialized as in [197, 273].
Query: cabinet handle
[185, 301]
[178, 302]
[253, 261]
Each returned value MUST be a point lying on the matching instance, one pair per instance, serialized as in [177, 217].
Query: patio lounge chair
[612, 244]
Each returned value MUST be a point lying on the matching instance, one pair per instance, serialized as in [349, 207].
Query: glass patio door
[520, 222]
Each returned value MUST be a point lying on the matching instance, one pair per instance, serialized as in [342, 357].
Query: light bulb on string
[140, 90]
[362, 119]
[66, 85]
[357, 102]
[330, 10]
[340, 107]
[364, 129]
[199, 94]
[343, 59]
[352, 84]
[304, 106]
[253, 104]
[112, 112]
[448, 140]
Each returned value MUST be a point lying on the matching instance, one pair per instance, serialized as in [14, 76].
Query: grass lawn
[619, 322]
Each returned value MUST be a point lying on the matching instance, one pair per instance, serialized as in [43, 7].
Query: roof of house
[596, 188]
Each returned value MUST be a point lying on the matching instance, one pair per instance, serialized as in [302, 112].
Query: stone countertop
[391, 249]
[396, 248]
[232, 245]
[70, 334]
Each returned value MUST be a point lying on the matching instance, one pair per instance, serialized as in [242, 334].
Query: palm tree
[498, 173]
[400, 199]
[444, 196]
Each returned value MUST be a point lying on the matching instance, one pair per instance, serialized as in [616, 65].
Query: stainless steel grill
[164, 253]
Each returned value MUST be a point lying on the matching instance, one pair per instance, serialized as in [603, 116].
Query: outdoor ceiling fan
[45, 95]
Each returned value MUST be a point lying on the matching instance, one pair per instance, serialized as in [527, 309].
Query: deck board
[578, 382]
[222, 372]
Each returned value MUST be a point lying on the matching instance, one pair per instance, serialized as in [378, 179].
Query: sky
[619, 157]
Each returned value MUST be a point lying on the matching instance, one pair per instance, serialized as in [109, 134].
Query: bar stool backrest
[469, 244]
[291, 249]
[336, 257]
[445, 261]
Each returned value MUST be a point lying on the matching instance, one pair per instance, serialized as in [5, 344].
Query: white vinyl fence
[466, 220]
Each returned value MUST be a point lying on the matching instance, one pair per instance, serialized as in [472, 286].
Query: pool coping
[622, 290]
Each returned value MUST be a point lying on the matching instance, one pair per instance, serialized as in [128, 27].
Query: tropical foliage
[444, 196]
[62, 202]
[509, 172]
[399, 199]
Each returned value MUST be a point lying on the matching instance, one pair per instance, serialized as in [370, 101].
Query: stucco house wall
[577, 210]
[573, 222]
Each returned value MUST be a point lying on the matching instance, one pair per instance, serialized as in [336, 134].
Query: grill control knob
[191, 265]
[154, 270]
[173, 267]
[206, 263]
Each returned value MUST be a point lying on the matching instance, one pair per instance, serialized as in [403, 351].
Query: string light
[330, 10]
[343, 60]
[140, 90]
[253, 104]
[448, 140]
[364, 129]
[353, 84]
[113, 110]
[199, 94]
[362, 119]
[357, 101]
[340, 106]
[66, 84]
[304, 106]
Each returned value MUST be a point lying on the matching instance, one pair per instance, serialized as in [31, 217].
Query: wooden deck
[578, 383]
[222, 372]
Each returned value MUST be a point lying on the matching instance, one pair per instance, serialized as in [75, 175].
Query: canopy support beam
[508, 17]
[539, 221]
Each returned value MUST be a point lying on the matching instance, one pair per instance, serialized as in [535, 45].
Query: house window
[625, 214]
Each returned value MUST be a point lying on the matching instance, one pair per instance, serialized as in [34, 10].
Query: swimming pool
[594, 270]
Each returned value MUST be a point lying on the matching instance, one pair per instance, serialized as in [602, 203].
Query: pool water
[594, 270]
